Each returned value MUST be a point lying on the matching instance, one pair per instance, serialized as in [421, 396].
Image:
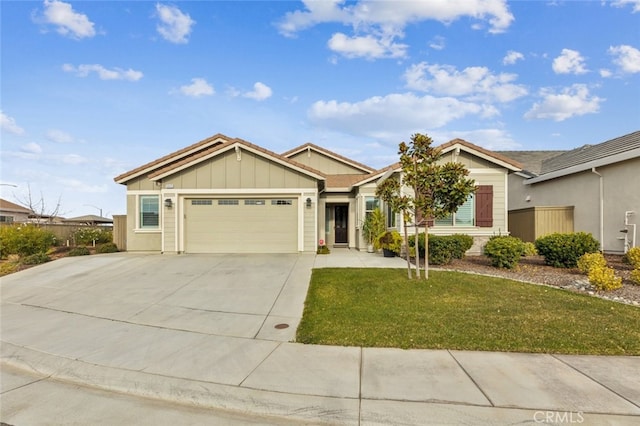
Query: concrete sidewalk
[160, 338]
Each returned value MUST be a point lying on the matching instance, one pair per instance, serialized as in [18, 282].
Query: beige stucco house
[13, 213]
[226, 195]
[600, 183]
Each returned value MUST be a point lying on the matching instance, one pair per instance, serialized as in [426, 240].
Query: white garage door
[241, 225]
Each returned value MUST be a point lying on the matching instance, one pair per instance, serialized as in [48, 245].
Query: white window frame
[139, 224]
[453, 218]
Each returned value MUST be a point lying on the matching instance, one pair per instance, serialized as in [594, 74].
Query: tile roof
[300, 148]
[531, 160]
[344, 181]
[492, 154]
[588, 153]
[205, 153]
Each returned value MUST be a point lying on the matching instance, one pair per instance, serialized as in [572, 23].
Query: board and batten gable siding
[141, 183]
[324, 163]
[251, 171]
[468, 160]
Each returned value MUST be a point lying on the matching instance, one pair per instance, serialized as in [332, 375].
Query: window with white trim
[465, 216]
[149, 211]
[391, 217]
[370, 204]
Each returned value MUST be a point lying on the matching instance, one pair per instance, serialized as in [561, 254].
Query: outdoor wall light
[168, 203]
[308, 203]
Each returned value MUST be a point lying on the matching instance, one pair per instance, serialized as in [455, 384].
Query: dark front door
[341, 214]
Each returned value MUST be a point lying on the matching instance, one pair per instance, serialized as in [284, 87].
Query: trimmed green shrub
[443, 248]
[564, 250]
[632, 257]
[635, 276]
[591, 260]
[529, 250]
[35, 259]
[504, 251]
[604, 278]
[7, 268]
[25, 240]
[89, 235]
[107, 248]
[390, 240]
[323, 250]
[79, 251]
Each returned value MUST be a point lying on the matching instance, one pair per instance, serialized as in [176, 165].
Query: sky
[92, 89]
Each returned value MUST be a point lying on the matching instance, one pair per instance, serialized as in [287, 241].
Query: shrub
[635, 276]
[7, 268]
[390, 240]
[89, 235]
[564, 250]
[107, 248]
[79, 251]
[321, 250]
[632, 257]
[529, 250]
[590, 260]
[604, 278]
[35, 259]
[443, 248]
[25, 240]
[504, 251]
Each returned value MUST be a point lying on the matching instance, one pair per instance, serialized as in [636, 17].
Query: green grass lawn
[382, 308]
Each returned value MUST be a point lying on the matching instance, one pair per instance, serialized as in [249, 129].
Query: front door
[341, 214]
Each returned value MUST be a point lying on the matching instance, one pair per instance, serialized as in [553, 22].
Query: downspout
[593, 170]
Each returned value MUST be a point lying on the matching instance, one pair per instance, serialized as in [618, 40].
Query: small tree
[41, 210]
[438, 189]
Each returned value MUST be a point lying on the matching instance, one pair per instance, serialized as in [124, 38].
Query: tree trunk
[426, 252]
[415, 223]
[406, 248]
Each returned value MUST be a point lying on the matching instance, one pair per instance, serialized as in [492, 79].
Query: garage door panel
[235, 226]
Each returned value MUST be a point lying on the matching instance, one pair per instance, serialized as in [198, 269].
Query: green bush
[79, 251]
[632, 257]
[321, 250]
[7, 268]
[107, 248]
[635, 276]
[504, 251]
[591, 260]
[89, 235]
[529, 250]
[25, 240]
[390, 240]
[35, 259]
[604, 278]
[443, 248]
[564, 250]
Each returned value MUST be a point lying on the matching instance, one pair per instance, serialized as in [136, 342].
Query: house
[599, 183]
[13, 213]
[227, 195]
[88, 220]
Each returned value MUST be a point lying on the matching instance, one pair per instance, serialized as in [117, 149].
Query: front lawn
[452, 310]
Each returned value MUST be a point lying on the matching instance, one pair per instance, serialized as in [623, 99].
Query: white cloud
[377, 24]
[75, 185]
[9, 124]
[70, 159]
[569, 62]
[437, 43]
[622, 3]
[472, 82]
[68, 22]
[260, 92]
[512, 57]
[393, 116]
[175, 26]
[605, 73]
[103, 73]
[198, 87]
[569, 102]
[31, 148]
[626, 57]
[59, 136]
[493, 139]
[367, 46]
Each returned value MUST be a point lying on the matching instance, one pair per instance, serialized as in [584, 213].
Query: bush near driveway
[564, 250]
[504, 251]
[443, 248]
[25, 240]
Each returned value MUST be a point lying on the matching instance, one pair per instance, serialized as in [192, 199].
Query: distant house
[90, 220]
[227, 195]
[13, 213]
[600, 183]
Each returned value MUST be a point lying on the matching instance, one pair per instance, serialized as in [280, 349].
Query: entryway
[341, 224]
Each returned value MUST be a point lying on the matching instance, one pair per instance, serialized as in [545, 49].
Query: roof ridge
[330, 153]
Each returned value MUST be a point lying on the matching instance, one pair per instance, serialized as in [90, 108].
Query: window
[391, 217]
[281, 202]
[252, 202]
[201, 202]
[149, 211]
[228, 202]
[463, 217]
[371, 203]
[6, 219]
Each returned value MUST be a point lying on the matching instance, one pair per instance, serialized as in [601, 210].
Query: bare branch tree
[41, 211]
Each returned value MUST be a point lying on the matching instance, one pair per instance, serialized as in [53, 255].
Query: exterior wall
[141, 184]
[169, 232]
[324, 163]
[582, 190]
[18, 217]
[310, 220]
[137, 240]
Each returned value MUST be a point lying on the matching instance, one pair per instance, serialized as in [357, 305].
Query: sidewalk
[277, 379]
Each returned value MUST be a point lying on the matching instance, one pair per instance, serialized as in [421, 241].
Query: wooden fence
[534, 222]
[120, 231]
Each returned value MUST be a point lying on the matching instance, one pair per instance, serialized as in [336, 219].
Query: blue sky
[92, 89]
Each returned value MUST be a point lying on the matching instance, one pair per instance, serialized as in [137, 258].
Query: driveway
[225, 295]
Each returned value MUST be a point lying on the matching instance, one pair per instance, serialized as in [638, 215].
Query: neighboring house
[226, 195]
[90, 220]
[601, 183]
[13, 213]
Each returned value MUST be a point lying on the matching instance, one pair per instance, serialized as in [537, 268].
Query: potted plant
[374, 224]
[390, 242]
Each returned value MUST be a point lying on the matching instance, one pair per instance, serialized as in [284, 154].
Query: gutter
[601, 178]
